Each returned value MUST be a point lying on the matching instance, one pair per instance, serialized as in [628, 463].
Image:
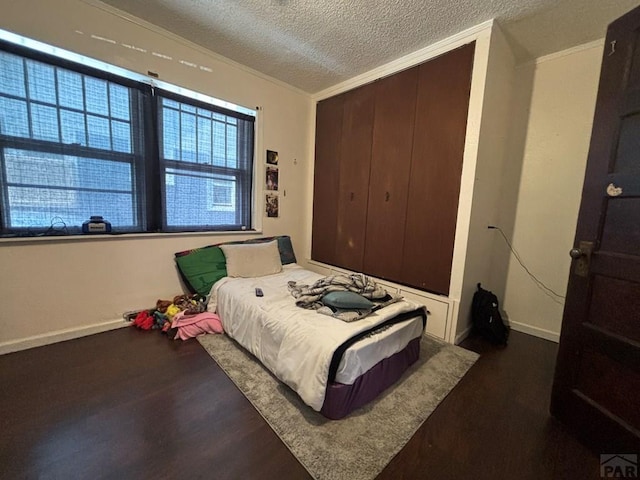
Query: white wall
[551, 128]
[84, 285]
[484, 192]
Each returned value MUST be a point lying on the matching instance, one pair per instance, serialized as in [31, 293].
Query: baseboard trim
[462, 335]
[535, 331]
[60, 336]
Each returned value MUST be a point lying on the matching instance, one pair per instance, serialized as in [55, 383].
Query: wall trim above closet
[410, 60]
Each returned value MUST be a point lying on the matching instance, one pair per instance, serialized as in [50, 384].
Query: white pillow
[252, 259]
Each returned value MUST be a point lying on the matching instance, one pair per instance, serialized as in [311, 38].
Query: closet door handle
[386, 197]
[351, 196]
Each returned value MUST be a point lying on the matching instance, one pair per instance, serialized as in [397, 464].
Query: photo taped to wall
[272, 157]
[271, 205]
[272, 178]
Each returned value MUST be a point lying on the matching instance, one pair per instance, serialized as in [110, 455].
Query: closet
[388, 163]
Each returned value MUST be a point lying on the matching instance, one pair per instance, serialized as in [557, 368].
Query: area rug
[359, 446]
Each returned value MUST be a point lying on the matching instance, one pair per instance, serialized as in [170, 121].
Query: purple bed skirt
[341, 399]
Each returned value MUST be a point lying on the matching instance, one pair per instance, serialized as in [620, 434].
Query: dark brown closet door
[444, 86]
[326, 179]
[355, 159]
[389, 179]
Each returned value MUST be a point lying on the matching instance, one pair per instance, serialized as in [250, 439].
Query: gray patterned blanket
[310, 296]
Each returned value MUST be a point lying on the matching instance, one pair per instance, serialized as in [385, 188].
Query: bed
[334, 366]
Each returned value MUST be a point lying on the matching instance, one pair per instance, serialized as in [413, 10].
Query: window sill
[117, 236]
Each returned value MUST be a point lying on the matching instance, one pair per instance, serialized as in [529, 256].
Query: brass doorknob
[582, 256]
[575, 253]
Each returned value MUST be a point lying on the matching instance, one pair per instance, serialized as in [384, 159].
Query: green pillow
[347, 301]
[201, 268]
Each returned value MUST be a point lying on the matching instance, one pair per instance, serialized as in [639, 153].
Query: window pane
[171, 134]
[119, 101]
[221, 194]
[188, 137]
[170, 103]
[195, 199]
[204, 140]
[71, 207]
[187, 108]
[44, 122]
[96, 92]
[11, 75]
[121, 136]
[13, 117]
[70, 89]
[232, 146]
[104, 175]
[68, 171]
[44, 185]
[38, 168]
[116, 208]
[73, 128]
[219, 144]
[42, 85]
[99, 132]
[37, 207]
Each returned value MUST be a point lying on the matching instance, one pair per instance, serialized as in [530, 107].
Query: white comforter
[295, 344]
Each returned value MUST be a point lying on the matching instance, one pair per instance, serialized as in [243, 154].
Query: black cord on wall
[556, 297]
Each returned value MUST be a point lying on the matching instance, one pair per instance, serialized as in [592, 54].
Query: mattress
[297, 345]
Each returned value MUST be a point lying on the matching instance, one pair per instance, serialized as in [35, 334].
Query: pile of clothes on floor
[183, 317]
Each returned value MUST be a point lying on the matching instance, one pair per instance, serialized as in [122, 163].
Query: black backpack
[486, 317]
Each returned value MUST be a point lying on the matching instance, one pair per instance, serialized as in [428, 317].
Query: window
[76, 142]
[205, 158]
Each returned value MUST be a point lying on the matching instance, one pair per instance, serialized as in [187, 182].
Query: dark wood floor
[129, 404]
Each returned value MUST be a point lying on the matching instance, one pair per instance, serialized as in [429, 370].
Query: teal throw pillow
[347, 301]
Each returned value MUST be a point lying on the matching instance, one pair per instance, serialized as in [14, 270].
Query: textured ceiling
[314, 44]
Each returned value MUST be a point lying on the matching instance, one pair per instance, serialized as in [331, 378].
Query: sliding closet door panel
[326, 179]
[355, 159]
[389, 179]
[438, 145]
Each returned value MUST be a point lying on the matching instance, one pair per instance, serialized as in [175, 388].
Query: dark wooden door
[444, 85]
[389, 179]
[597, 382]
[355, 162]
[326, 179]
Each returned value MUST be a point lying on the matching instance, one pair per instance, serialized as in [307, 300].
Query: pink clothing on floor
[190, 326]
